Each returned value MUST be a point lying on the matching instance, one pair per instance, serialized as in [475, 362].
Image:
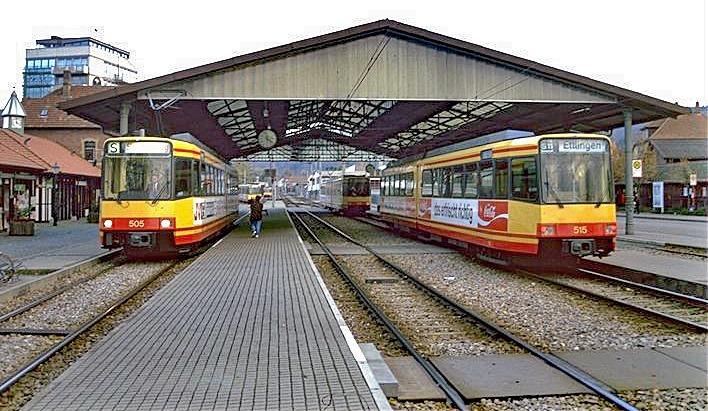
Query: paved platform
[666, 229]
[53, 247]
[679, 268]
[247, 326]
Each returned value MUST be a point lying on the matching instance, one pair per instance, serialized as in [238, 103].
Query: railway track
[37, 319]
[453, 395]
[685, 310]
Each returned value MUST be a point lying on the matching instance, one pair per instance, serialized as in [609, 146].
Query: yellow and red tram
[523, 200]
[164, 195]
[348, 193]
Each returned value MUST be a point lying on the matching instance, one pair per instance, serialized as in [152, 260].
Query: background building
[90, 62]
[79, 136]
[677, 154]
[41, 180]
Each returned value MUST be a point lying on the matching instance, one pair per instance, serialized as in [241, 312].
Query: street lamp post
[55, 187]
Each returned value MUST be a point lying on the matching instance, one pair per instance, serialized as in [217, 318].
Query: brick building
[40, 179]
[44, 119]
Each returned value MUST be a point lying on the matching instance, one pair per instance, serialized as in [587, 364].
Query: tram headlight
[610, 229]
[108, 223]
[165, 223]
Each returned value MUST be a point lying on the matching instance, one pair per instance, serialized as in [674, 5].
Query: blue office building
[89, 61]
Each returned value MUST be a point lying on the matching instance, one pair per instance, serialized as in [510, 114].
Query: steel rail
[54, 276]
[47, 297]
[47, 354]
[453, 395]
[691, 299]
[670, 317]
[550, 359]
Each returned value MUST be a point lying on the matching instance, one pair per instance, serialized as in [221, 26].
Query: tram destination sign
[116, 148]
[575, 145]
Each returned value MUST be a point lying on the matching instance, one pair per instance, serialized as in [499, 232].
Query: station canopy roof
[375, 92]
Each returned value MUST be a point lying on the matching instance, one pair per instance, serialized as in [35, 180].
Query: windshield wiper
[159, 193]
[553, 192]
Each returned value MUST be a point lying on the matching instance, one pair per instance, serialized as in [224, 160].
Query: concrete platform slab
[387, 381]
[643, 369]
[672, 267]
[694, 356]
[505, 375]
[413, 382]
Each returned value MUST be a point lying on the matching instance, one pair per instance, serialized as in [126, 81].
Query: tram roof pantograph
[379, 91]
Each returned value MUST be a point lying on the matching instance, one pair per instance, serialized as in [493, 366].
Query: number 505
[136, 223]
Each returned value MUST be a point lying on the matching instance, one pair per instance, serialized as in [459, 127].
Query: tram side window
[524, 183]
[486, 176]
[222, 182]
[183, 177]
[196, 186]
[457, 179]
[410, 184]
[437, 180]
[501, 178]
[427, 187]
[471, 180]
[209, 180]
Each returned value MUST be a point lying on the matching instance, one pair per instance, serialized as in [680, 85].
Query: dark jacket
[256, 210]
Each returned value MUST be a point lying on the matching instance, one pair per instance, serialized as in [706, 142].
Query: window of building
[90, 150]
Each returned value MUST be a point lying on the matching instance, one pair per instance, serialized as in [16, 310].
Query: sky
[653, 47]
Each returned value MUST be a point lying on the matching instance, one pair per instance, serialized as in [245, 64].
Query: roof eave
[384, 26]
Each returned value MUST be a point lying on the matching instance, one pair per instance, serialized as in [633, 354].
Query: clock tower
[13, 115]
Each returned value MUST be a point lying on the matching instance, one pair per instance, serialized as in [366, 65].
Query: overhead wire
[380, 47]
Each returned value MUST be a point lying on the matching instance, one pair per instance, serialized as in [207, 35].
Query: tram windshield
[356, 187]
[136, 178]
[575, 171]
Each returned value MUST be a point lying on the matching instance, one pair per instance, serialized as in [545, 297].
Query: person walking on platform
[256, 216]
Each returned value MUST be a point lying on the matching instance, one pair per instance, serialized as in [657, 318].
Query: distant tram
[250, 191]
[348, 194]
[164, 195]
[532, 200]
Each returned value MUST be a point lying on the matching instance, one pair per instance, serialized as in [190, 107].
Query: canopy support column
[124, 112]
[628, 179]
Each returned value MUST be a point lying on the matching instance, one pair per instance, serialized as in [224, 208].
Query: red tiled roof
[68, 162]
[55, 117]
[16, 154]
[682, 127]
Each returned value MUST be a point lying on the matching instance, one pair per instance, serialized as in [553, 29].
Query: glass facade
[43, 74]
